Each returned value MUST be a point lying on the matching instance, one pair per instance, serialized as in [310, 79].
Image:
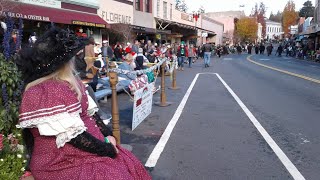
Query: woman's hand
[113, 142]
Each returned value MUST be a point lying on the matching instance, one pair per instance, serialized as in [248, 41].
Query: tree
[307, 10]
[181, 5]
[246, 29]
[289, 17]
[120, 33]
[276, 17]
[259, 13]
[202, 10]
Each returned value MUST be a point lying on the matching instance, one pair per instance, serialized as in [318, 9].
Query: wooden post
[113, 78]
[163, 98]
[174, 80]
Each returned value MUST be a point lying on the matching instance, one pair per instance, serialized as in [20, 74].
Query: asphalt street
[215, 139]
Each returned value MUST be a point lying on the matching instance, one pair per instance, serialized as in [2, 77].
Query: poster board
[142, 105]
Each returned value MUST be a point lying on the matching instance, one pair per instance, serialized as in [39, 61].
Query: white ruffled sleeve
[53, 115]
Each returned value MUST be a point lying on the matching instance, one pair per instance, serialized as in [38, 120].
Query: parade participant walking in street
[206, 49]
[280, 50]
[249, 48]
[62, 139]
[262, 48]
[269, 49]
[191, 55]
[182, 53]
[256, 49]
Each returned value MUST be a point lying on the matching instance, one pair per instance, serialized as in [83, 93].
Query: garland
[139, 72]
[7, 38]
[19, 37]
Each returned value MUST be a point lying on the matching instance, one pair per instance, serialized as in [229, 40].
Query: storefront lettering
[25, 16]
[116, 18]
[82, 23]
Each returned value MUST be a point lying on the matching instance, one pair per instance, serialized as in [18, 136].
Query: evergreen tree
[181, 5]
[259, 13]
[276, 17]
[307, 10]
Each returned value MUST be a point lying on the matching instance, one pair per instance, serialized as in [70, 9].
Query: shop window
[165, 13]
[138, 5]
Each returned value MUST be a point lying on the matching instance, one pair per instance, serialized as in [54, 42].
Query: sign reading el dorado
[142, 105]
[82, 23]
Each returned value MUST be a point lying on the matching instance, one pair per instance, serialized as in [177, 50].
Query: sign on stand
[142, 105]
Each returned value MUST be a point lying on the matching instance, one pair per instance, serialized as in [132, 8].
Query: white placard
[142, 105]
[46, 3]
[204, 34]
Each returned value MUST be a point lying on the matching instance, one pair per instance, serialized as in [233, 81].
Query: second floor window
[165, 10]
[158, 8]
[148, 9]
[138, 5]
[170, 11]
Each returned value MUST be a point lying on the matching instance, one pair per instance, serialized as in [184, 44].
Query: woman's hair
[129, 57]
[91, 40]
[66, 73]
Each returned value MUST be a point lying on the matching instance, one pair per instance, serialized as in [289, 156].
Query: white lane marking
[154, 156]
[295, 173]
[227, 59]
[264, 59]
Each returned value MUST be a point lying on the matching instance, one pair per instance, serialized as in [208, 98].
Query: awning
[39, 13]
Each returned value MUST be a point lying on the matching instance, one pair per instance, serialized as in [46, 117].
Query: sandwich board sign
[142, 105]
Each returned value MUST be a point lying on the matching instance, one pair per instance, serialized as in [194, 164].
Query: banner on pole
[142, 105]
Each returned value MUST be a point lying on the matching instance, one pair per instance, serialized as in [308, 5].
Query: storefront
[37, 19]
[119, 14]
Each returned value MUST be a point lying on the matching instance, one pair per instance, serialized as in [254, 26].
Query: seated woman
[62, 139]
[127, 65]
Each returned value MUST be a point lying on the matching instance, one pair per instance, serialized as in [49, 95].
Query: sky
[225, 5]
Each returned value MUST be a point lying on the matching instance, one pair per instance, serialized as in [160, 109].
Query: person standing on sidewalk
[269, 49]
[191, 55]
[182, 53]
[206, 49]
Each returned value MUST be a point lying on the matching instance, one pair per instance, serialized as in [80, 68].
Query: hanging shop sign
[25, 16]
[187, 17]
[82, 23]
[46, 3]
[142, 105]
[204, 34]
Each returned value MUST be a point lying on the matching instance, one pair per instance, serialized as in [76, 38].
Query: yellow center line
[283, 71]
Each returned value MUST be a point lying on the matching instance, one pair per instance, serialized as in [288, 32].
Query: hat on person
[105, 41]
[155, 44]
[168, 46]
[50, 52]
[97, 43]
[182, 43]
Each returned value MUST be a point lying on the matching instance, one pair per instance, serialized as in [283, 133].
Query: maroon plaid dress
[55, 116]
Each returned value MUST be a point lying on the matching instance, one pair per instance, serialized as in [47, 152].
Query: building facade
[273, 30]
[79, 16]
[228, 19]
